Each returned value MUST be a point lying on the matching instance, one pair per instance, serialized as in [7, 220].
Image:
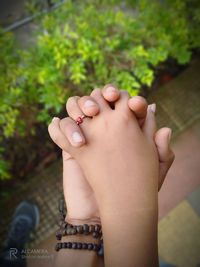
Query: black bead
[79, 229]
[68, 231]
[57, 247]
[97, 228]
[101, 250]
[95, 234]
[62, 224]
[68, 226]
[95, 247]
[86, 229]
[58, 236]
[60, 245]
[69, 244]
[79, 245]
[63, 245]
[90, 246]
[91, 228]
[84, 245]
[74, 245]
[73, 231]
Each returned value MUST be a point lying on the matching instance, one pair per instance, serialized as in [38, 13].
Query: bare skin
[143, 148]
[79, 196]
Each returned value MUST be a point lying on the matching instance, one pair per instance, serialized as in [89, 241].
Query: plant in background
[85, 44]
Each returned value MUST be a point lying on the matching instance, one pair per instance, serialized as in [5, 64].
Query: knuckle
[71, 101]
[125, 93]
[83, 99]
[95, 91]
[64, 123]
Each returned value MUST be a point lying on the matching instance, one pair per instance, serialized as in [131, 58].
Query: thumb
[165, 154]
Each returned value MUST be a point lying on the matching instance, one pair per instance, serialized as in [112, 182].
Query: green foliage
[86, 44]
[4, 167]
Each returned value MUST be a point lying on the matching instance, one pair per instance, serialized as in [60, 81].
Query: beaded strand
[85, 229]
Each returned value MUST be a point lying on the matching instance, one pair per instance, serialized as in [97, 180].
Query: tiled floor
[184, 175]
[179, 236]
[179, 227]
[49, 260]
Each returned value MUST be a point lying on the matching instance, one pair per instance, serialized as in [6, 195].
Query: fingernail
[110, 90]
[55, 119]
[153, 107]
[76, 137]
[169, 134]
[89, 103]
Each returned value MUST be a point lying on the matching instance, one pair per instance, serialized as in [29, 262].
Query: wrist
[83, 237]
[82, 221]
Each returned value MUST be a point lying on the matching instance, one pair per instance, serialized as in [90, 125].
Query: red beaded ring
[79, 120]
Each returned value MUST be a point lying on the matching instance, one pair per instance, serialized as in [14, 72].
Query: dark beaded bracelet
[79, 229]
[90, 246]
[74, 245]
[69, 245]
[100, 251]
[86, 229]
[78, 245]
[84, 245]
[69, 229]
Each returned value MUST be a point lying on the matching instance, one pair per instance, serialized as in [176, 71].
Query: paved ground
[184, 176]
[179, 203]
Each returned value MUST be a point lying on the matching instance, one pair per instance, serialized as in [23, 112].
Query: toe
[139, 106]
[103, 104]
[110, 93]
[72, 131]
[88, 106]
[73, 108]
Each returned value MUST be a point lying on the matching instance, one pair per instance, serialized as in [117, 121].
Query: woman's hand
[81, 202]
[122, 174]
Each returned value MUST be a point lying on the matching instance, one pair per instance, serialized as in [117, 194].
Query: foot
[25, 220]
